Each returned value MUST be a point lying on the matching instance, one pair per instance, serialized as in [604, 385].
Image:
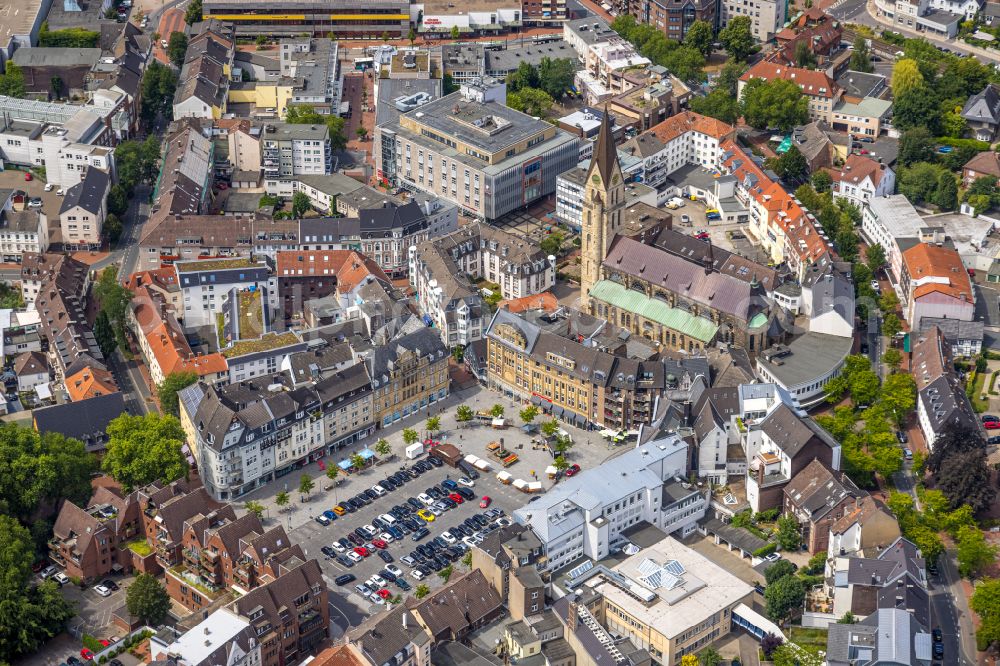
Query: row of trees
[838, 217]
[777, 104]
[685, 61]
[158, 85]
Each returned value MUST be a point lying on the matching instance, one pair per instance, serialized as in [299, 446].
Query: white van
[388, 519]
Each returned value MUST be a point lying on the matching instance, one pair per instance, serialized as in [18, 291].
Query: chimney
[571, 616]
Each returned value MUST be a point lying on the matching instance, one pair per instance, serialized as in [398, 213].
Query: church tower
[603, 201]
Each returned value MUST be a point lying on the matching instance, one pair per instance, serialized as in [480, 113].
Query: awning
[344, 465]
[367, 453]
[535, 400]
[557, 410]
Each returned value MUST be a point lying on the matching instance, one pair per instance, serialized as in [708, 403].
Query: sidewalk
[990, 54]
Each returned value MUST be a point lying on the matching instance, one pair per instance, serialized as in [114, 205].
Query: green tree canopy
[719, 104]
[776, 104]
[986, 602]
[12, 81]
[300, 204]
[737, 37]
[307, 115]
[410, 436]
[784, 597]
[531, 101]
[177, 48]
[525, 76]
[555, 76]
[822, 180]
[158, 85]
[699, 37]
[193, 13]
[147, 599]
[861, 60]
[792, 165]
[144, 449]
[975, 553]
[906, 76]
[167, 390]
[30, 614]
[778, 570]
[789, 537]
[464, 413]
[916, 145]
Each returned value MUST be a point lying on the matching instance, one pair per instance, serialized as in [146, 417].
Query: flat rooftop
[17, 17]
[490, 127]
[811, 355]
[686, 587]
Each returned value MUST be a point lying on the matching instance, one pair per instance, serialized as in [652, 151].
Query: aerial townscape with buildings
[549, 333]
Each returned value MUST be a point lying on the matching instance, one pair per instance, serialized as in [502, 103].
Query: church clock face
[615, 179]
[596, 179]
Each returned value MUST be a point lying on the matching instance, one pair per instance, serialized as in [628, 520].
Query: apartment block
[408, 375]
[292, 150]
[89, 542]
[206, 284]
[767, 17]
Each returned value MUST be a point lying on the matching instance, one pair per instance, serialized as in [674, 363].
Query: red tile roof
[349, 267]
[926, 260]
[543, 301]
[90, 382]
[813, 83]
[986, 163]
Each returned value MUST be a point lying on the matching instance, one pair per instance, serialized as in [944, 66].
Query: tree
[804, 56]
[986, 602]
[563, 445]
[709, 657]
[964, 478]
[167, 390]
[307, 115]
[789, 537]
[552, 243]
[332, 472]
[256, 508]
[974, 552]
[737, 37]
[792, 166]
[193, 13]
[774, 104]
[12, 81]
[177, 47]
[919, 182]
[282, 499]
[875, 258]
[382, 447]
[891, 325]
[531, 101]
[144, 449]
[550, 428]
[147, 599]
[158, 85]
[104, 335]
[769, 644]
[528, 414]
[892, 358]
[463, 413]
[433, 423]
[412, 36]
[717, 104]
[689, 660]
[699, 37]
[729, 77]
[916, 108]
[496, 411]
[30, 614]
[113, 227]
[847, 618]
[861, 58]
[421, 591]
[822, 180]
[555, 76]
[916, 145]
[300, 204]
[686, 63]
[114, 299]
[306, 484]
[784, 597]
[57, 86]
[358, 462]
[525, 76]
[445, 573]
[410, 436]
[454, 32]
[863, 386]
[467, 559]
[778, 570]
[906, 76]
[898, 396]
[560, 463]
[946, 196]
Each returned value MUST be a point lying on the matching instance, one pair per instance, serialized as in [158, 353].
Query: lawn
[808, 637]
[977, 390]
[139, 547]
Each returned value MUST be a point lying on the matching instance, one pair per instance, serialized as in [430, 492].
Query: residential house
[90, 381]
[822, 92]
[867, 526]
[893, 223]
[817, 497]
[965, 337]
[822, 32]
[221, 638]
[392, 636]
[982, 113]
[861, 178]
[984, 165]
[305, 276]
[462, 606]
[83, 210]
[41, 65]
[503, 551]
[86, 421]
[888, 636]
[60, 301]
[206, 284]
[408, 374]
[21, 232]
[88, 542]
[32, 369]
[934, 283]
[941, 401]
[203, 83]
[290, 614]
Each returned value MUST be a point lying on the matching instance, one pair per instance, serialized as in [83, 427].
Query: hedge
[766, 550]
[963, 143]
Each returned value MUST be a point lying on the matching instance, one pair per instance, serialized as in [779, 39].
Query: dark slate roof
[984, 106]
[89, 193]
[791, 432]
[816, 490]
[605, 153]
[86, 421]
[381, 222]
[424, 341]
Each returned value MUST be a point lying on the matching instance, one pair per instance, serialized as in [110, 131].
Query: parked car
[344, 579]
[573, 470]
[102, 590]
[110, 584]
[485, 502]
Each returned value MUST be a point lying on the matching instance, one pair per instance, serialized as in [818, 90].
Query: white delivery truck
[414, 450]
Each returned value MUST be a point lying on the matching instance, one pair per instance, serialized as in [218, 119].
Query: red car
[485, 502]
[572, 470]
[456, 498]
[702, 236]
[385, 594]
[87, 654]
[362, 551]
[992, 425]
[28, 177]
[380, 544]
[104, 642]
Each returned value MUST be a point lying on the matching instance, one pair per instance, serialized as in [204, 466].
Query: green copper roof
[656, 310]
[758, 320]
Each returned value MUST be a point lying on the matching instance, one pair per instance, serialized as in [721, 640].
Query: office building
[336, 20]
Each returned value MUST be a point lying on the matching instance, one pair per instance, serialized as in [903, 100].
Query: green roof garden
[215, 264]
[264, 343]
[682, 321]
[139, 547]
[251, 314]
